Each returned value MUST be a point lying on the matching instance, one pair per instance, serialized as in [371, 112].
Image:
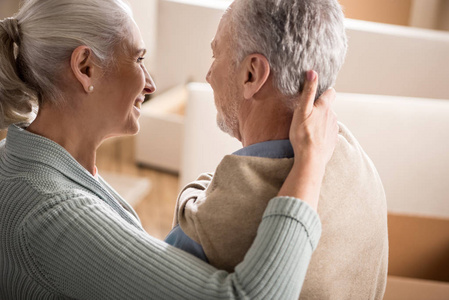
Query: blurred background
[118, 156]
[429, 14]
[393, 94]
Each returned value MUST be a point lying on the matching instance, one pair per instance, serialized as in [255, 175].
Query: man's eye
[140, 59]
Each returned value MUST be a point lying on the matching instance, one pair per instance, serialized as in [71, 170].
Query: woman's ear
[257, 70]
[83, 67]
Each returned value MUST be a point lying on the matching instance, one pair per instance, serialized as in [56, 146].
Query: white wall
[185, 30]
[145, 15]
[395, 60]
[404, 137]
[382, 59]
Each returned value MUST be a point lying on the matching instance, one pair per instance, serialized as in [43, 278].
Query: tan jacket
[222, 213]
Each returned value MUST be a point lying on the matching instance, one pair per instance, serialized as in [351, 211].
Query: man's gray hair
[37, 44]
[295, 36]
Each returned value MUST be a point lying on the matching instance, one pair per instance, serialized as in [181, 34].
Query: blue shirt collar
[268, 149]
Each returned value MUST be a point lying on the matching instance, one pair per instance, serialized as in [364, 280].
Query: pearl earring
[91, 88]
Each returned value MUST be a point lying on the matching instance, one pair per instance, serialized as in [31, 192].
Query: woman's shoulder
[38, 180]
[25, 192]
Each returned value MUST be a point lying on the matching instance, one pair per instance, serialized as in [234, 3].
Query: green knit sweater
[63, 234]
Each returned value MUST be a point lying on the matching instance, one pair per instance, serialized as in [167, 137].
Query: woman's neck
[71, 132]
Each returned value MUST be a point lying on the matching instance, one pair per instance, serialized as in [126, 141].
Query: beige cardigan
[222, 212]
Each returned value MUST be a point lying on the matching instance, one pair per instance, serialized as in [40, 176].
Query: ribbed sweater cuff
[299, 211]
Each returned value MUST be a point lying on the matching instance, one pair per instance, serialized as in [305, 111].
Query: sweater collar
[268, 149]
[28, 146]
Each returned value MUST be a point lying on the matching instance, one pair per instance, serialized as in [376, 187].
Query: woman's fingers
[307, 97]
[313, 135]
[314, 126]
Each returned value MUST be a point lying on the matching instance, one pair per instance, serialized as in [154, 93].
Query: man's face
[223, 80]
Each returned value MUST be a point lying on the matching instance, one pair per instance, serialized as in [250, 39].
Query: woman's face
[122, 89]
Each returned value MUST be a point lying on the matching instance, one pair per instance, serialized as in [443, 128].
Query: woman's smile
[138, 103]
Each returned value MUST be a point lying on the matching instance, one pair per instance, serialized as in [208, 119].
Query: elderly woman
[64, 232]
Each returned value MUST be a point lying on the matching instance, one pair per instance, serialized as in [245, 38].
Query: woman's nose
[150, 87]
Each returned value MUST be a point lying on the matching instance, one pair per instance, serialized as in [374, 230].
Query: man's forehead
[223, 26]
[219, 34]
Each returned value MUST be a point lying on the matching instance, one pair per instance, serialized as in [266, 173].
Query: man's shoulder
[344, 134]
[350, 155]
[241, 166]
[351, 180]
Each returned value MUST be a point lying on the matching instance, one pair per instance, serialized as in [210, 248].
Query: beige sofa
[405, 136]
[382, 59]
[407, 139]
[404, 133]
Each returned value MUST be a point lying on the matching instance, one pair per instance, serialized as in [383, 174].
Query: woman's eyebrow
[141, 51]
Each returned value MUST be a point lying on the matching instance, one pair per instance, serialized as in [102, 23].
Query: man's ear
[256, 71]
[82, 66]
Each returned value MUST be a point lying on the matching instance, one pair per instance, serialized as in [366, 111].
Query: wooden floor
[156, 209]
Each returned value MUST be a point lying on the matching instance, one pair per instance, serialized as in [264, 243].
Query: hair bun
[11, 26]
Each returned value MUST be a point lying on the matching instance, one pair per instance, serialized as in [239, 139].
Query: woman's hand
[314, 128]
[313, 135]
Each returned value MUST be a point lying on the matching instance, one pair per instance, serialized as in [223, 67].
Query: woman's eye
[140, 59]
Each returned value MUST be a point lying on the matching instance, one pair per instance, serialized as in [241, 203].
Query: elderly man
[262, 50]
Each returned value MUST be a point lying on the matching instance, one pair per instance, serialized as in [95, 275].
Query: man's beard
[224, 126]
[227, 119]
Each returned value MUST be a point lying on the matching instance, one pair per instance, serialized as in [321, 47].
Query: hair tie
[11, 26]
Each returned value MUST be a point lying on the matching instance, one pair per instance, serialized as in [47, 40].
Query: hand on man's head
[314, 127]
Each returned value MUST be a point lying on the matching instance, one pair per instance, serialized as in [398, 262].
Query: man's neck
[264, 120]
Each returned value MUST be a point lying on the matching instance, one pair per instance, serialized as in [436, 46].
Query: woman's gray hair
[295, 36]
[36, 46]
